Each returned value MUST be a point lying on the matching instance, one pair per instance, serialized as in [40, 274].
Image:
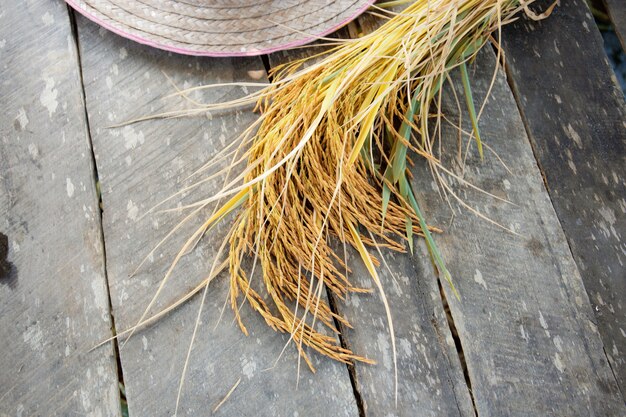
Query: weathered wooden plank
[524, 320]
[53, 292]
[617, 13]
[575, 116]
[142, 164]
[430, 378]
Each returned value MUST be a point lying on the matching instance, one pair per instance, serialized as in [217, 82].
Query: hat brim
[203, 30]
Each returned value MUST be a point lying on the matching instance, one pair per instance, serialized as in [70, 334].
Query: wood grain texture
[430, 379]
[524, 319]
[575, 116]
[617, 13]
[144, 163]
[53, 293]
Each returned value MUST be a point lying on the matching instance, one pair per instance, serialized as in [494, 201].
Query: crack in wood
[346, 345]
[266, 63]
[94, 166]
[8, 272]
[457, 343]
[515, 92]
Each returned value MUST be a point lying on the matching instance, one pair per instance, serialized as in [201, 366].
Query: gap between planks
[95, 176]
[332, 302]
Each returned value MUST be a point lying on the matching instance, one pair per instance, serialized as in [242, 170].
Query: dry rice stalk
[328, 162]
[313, 177]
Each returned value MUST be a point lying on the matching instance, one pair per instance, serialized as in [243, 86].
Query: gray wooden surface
[524, 320]
[430, 378]
[142, 164]
[522, 340]
[53, 293]
[558, 68]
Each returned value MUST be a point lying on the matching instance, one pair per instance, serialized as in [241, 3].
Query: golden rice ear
[312, 173]
[327, 161]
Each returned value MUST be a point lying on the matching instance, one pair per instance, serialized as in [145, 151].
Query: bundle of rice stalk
[326, 162]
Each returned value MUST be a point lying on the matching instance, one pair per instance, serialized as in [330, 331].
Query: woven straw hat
[221, 27]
